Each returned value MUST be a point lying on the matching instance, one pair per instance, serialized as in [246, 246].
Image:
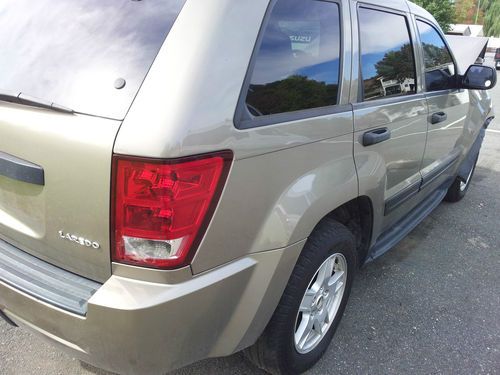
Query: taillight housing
[161, 207]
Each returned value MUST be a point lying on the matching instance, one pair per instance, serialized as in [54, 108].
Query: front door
[447, 109]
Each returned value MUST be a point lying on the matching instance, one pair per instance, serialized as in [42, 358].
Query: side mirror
[479, 77]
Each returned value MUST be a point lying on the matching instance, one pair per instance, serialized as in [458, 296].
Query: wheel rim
[320, 303]
[464, 184]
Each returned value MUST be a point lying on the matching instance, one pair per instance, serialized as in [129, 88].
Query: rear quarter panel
[277, 199]
[285, 177]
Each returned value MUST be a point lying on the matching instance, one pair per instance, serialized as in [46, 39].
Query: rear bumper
[137, 327]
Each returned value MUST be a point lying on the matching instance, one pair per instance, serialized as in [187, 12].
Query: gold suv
[185, 179]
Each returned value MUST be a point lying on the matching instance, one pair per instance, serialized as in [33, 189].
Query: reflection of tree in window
[435, 56]
[395, 74]
[298, 63]
[397, 65]
[291, 94]
[439, 66]
[387, 59]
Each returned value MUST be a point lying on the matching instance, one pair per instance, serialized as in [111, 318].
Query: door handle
[21, 170]
[376, 136]
[438, 117]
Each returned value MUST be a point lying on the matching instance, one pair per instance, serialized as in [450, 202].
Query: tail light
[161, 207]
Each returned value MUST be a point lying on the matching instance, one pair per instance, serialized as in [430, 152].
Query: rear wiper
[20, 98]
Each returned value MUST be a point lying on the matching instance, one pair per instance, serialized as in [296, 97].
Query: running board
[400, 230]
[7, 319]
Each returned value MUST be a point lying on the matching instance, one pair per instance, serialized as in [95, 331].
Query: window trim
[422, 58]
[361, 87]
[242, 118]
[388, 101]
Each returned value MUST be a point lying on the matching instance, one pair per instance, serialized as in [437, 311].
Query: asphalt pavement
[429, 306]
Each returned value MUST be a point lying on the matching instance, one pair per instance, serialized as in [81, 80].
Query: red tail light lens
[161, 207]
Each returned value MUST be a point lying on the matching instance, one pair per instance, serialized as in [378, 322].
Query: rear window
[79, 53]
[297, 65]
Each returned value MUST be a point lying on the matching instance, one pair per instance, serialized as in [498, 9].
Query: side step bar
[6, 319]
[394, 235]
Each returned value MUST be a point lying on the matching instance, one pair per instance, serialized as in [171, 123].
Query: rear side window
[387, 59]
[297, 64]
[75, 52]
[439, 66]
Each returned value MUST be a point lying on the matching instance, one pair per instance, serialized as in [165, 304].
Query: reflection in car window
[72, 52]
[439, 66]
[297, 65]
[387, 62]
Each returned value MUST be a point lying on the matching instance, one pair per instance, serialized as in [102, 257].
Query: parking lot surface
[429, 306]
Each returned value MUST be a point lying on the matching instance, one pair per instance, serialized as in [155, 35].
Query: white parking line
[493, 131]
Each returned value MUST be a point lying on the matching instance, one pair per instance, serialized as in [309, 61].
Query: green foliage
[491, 9]
[486, 12]
[465, 11]
[442, 10]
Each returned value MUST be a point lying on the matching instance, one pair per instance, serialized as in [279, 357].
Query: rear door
[448, 107]
[55, 165]
[390, 118]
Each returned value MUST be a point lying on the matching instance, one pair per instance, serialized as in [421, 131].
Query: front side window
[297, 65]
[439, 66]
[387, 60]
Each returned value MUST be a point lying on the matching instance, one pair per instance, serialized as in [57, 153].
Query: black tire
[456, 192]
[275, 350]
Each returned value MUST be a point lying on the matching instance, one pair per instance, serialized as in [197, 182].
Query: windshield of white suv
[87, 55]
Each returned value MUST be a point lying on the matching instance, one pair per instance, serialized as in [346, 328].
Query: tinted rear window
[73, 51]
[298, 63]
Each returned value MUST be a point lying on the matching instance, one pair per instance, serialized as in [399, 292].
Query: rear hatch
[83, 63]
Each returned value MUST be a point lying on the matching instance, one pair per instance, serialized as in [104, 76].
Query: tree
[465, 11]
[442, 10]
[491, 9]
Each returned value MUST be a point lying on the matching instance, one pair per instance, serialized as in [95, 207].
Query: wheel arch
[357, 216]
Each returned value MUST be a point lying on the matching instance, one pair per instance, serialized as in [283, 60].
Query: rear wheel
[312, 305]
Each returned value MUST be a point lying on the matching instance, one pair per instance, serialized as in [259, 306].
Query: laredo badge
[79, 240]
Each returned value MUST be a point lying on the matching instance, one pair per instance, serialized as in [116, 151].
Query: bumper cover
[137, 327]
[44, 281]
